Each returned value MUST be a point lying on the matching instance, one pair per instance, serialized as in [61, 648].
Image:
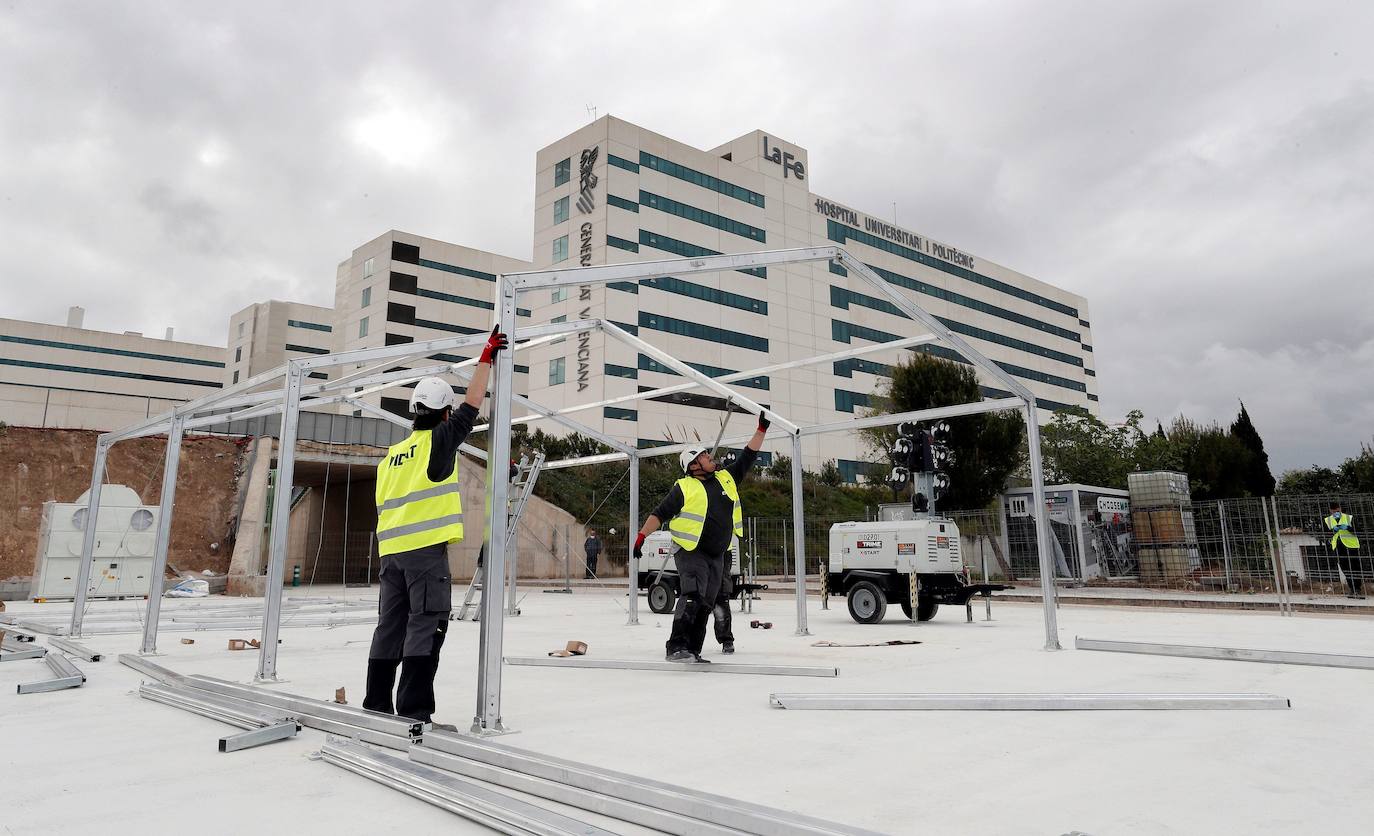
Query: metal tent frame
[289, 393]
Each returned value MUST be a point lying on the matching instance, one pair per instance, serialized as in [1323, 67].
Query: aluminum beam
[152, 671]
[14, 650]
[1044, 544]
[917, 415]
[257, 737]
[164, 535]
[659, 821]
[719, 810]
[475, 802]
[80, 651]
[304, 708]
[83, 571]
[675, 667]
[798, 535]
[64, 675]
[281, 522]
[1025, 702]
[733, 377]
[1232, 654]
[692, 374]
[631, 561]
[635, 270]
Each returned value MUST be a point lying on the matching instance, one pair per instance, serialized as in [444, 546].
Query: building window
[408, 253]
[701, 216]
[404, 283]
[238, 354]
[369, 267]
[557, 370]
[241, 324]
[367, 296]
[560, 210]
[362, 328]
[560, 249]
[557, 319]
[620, 413]
[236, 377]
[562, 171]
[313, 326]
[396, 312]
[559, 294]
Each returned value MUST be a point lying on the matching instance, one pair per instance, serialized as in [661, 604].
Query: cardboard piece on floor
[574, 648]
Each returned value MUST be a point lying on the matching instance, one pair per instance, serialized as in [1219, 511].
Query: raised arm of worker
[672, 503]
[451, 433]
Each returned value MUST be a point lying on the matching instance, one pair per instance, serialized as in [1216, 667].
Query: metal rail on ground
[675, 667]
[464, 798]
[64, 675]
[76, 649]
[12, 650]
[719, 810]
[1025, 702]
[260, 727]
[1232, 654]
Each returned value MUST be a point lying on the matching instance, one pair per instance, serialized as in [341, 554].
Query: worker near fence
[704, 514]
[1344, 543]
[419, 513]
[592, 548]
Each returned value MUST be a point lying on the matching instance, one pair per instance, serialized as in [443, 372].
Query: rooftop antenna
[591, 111]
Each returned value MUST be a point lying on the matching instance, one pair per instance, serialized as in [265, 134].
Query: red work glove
[495, 343]
[763, 421]
[639, 544]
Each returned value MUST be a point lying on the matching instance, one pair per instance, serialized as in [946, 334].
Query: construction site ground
[100, 759]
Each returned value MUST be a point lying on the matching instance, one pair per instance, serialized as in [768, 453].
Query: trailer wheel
[662, 598]
[926, 608]
[867, 603]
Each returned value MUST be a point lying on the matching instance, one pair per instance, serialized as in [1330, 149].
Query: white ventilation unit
[124, 537]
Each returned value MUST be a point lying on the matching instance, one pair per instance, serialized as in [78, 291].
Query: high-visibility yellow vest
[1340, 527]
[412, 511]
[687, 525]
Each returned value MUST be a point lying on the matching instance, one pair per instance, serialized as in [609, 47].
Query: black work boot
[381, 679]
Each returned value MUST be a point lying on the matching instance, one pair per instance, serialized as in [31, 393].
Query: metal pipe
[78, 650]
[164, 535]
[488, 717]
[632, 562]
[1284, 596]
[671, 667]
[1225, 543]
[1274, 553]
[1043, 534]
[83, 572]
[1230, 654]
[1026, 702]
[799, 534]
[281, 523]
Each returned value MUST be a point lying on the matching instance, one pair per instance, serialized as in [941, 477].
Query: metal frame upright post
[83, 572]
[164, 535]
[281, 523]
[632, 563]
[1042, 528]
[487, 719]
[798, 534]
[1225, 543]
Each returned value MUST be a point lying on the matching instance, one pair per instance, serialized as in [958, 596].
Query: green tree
[984, 449]
[830, 474]
[1078, 447]
[1216, 461]
[1313, 480]
[1357, 472]
[1259, 481]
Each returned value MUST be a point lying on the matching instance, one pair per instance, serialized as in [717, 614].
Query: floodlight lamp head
[899, 476]
[906, 429]
[940, 431]
[431, 394]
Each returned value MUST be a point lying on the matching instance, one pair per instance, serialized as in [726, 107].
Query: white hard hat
[432, 393]
[688, 456]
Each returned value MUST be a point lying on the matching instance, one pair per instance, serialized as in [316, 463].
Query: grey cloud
[1201, 172]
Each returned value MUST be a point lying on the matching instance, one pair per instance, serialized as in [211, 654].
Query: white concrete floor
[99, 759]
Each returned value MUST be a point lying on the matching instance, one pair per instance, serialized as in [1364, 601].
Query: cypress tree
[1258, 480]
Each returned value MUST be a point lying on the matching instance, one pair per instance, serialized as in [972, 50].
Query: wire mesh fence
[1275, 546]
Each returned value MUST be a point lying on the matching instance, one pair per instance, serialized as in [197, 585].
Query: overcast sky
[1202, 172]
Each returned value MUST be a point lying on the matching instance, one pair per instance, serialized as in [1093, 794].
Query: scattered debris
[767, 625]
[573, 648]
[188, 641]
[237, 644]
[339, 696]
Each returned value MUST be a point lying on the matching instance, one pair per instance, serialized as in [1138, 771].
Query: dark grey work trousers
[698, 585]
[412, 620]
[721, 614]
[1352, 567]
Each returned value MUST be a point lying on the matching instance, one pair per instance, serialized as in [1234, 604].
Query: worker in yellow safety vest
[419, 513]
[704, 514]
[1344, 543]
